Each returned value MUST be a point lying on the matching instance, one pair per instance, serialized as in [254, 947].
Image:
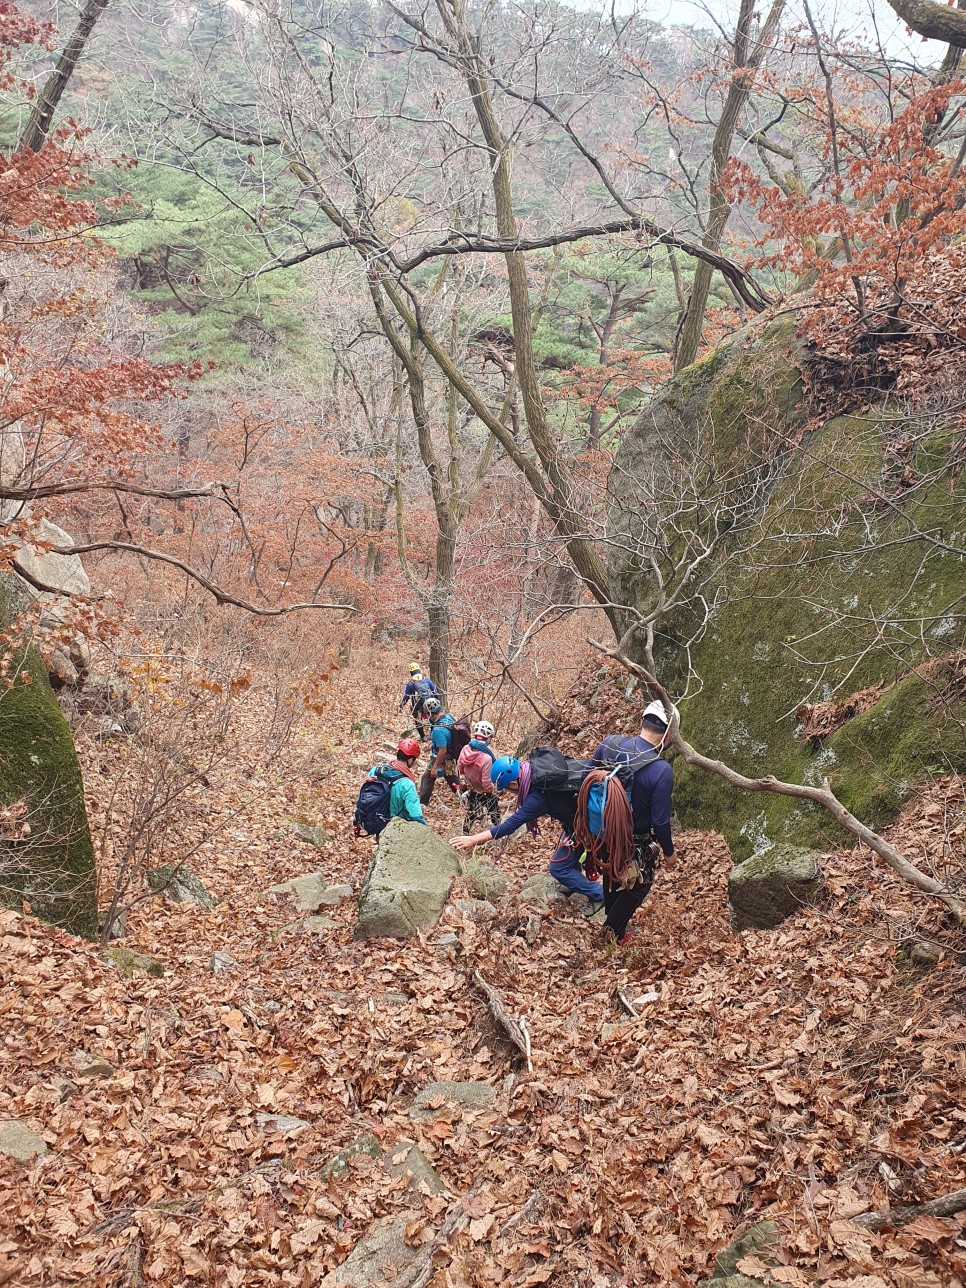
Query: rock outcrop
[46, 855]
[179, 884]
[772, 886]
[834, 574]
[407, 884]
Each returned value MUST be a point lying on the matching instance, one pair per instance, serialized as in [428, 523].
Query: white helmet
[658, 710]
[483, 729]
[431, 705]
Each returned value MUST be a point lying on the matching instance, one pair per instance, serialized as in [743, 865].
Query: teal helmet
[505, 770]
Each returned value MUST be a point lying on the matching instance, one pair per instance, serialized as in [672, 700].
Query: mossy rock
[758, 1240]
[833, 595]
[51, 867]
[130, 963]
[772, 886]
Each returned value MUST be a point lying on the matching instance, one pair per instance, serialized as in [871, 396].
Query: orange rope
[613, 851]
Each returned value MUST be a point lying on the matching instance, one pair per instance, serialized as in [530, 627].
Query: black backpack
[552, 771]
[372, 806]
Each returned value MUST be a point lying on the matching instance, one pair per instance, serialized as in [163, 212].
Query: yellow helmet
[414, 668]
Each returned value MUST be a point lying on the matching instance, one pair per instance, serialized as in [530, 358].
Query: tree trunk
[36, 130]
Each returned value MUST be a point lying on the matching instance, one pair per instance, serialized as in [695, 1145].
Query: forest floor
[808, 1073]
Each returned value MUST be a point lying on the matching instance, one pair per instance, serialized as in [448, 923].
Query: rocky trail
[288, 1105]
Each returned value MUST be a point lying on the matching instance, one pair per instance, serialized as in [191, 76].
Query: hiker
[473, 767]
[389, 792]
[419, 687]
[509, 774]
[650, 801]
[448, 738]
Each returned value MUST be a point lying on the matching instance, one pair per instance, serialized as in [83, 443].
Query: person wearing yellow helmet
[418, 689]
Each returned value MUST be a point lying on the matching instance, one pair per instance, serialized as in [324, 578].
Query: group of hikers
[614, 810]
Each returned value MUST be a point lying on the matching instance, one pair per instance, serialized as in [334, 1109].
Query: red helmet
[409, 747]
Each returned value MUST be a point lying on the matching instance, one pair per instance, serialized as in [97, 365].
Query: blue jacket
[411, 692]
[651, 793]
[557, 805]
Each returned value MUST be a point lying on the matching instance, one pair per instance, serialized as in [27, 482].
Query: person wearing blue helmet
[510, 774]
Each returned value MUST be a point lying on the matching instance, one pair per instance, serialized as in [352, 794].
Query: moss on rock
[838, 590]
[50, 866]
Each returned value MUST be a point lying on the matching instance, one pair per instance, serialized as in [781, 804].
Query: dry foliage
[809, 1073]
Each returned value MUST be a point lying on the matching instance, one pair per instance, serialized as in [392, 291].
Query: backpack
[604, 823]
[552, 771]
[424, 689]
[461, 735]
[372, 806]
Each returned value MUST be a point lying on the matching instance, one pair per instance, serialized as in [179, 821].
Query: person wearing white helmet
[473, 766]
[651, 807]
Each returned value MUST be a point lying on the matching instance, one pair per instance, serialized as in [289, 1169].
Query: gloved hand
[356, 829]
[591, 870]
[455, 788]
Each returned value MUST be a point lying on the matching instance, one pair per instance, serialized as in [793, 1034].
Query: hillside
[806, 1074]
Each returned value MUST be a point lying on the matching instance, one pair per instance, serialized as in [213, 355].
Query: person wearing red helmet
[403, 796]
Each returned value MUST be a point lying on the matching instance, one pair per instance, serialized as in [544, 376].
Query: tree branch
[823, 795]
[934, 21]
[218, 593]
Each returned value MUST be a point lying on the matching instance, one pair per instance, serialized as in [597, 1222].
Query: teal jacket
[403, 799]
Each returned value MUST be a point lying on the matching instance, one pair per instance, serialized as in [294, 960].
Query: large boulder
[46, 855]
[407, 884]
[834, 575]
[772, 886]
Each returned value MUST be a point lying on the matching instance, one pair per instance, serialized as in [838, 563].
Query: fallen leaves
[769, 1073]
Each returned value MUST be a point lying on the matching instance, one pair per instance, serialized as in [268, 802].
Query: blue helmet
[504, 770]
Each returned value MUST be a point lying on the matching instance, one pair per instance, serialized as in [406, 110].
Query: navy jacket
[651, 793]
[557, 805]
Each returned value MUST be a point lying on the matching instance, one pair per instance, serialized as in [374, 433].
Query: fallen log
[515, 1030]
[945, 1205]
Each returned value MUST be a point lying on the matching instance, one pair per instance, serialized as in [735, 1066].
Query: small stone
[306, 892]
[272, 1006]
[316, 836]
[412, 1161]
[366, 728]
[118, 923]
[540, 890]
[488, 881]
[924, 953]
[65, 1088]
[449, 940]
[378, 1257]
[608, 1031]
[19, 1142]
[130, 963]
[179, 884]
[470, 1095]
[222, 961]
[91, 1066]
[338, 1164]
[758, 1240]
[281, 1122]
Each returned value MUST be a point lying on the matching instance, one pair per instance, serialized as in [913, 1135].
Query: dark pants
[621, 904]
[478, 805]
[428, 781]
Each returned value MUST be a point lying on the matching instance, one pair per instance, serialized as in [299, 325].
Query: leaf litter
[806, 1074]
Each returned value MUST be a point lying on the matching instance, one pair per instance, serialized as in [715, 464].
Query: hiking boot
[628, 937]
